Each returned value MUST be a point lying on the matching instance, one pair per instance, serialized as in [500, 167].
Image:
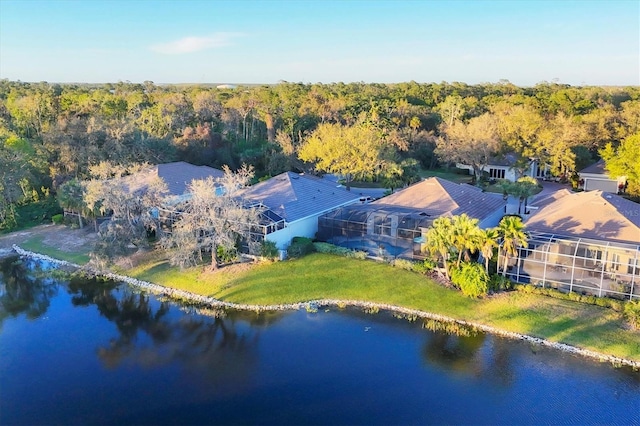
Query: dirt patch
[56, 236]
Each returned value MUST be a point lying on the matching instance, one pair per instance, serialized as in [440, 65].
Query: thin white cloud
[195, 44]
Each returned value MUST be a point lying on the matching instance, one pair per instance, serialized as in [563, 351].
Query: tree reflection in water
[216, 348]
[466, 353]
[23, 290]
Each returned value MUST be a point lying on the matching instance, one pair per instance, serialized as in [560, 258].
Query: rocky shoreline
[211, 302]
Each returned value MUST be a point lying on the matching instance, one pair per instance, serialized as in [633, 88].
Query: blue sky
[525, 42]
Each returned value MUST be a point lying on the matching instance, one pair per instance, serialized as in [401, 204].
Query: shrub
[403, 264]
[337, 250]
[225, 255]
[331, 249]
[424, 267]
[472, 279]
[300, 246]
[357, 254]
[605, 302]
[498, 282]
[324, 247]
[632, 314]
[269, 250]
[58, 219]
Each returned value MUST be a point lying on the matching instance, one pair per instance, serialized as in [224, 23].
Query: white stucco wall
[301, 228]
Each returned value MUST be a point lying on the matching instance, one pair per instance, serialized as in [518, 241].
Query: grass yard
[319, 276]
[495, 188]
[450, 174]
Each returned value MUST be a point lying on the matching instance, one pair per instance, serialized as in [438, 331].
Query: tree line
[53, 133]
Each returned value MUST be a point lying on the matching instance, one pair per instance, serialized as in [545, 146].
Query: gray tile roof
[293, 196]
[440, 197]
[593, 214]
[179, 175]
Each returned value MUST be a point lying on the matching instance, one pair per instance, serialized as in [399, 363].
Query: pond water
[84, 352]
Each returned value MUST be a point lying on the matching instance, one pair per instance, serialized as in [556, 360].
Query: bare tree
[130, 195]
[214, 217]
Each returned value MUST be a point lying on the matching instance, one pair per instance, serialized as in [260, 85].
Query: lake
[87, 352]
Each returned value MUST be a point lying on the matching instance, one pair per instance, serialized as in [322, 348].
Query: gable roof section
[592, 214]
[178, 175]
[293, 196]
[440, 197]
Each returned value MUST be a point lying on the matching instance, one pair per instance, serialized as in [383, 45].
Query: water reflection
[147, 361]
[23, 290]
[215, 347]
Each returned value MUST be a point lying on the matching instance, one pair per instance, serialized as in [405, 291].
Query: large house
[596, 177]
[293, 203]
[585, 242]
[395, 225]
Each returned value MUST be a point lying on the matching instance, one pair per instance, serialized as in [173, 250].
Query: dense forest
[53, 133]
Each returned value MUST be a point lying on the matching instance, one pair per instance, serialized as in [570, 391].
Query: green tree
[488, 241]
[513, 235]
[71, 198]
[464, 235]
[352, 151]
[625, 161]
[473, 143]
[523, 188]
[439, 241]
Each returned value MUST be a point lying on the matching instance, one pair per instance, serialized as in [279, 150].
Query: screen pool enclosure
[573, 264]
[381, 230]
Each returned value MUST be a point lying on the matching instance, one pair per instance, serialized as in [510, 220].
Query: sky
[252, 42]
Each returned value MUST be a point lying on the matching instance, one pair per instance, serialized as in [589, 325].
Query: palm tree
[439, 240]
[524, 188]
[463, 235]
[511, 229]
[71, 198]
[488, 241]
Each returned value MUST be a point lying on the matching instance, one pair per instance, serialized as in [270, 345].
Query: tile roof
[293, 196]
[178, 175]
[592, 214]
[440, 197]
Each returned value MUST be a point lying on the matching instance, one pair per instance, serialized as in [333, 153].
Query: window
[496, 173]
[634, 267]
[382, 225]
[615, 261]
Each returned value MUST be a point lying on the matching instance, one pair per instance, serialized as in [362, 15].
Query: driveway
[548, 188]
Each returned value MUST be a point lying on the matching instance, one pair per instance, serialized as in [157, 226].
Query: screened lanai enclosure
[380, 230]
[581, 265]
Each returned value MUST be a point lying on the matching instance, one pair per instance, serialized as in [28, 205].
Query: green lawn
[495, 188]
[449, 174]
[36, 245]
[321, 276]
